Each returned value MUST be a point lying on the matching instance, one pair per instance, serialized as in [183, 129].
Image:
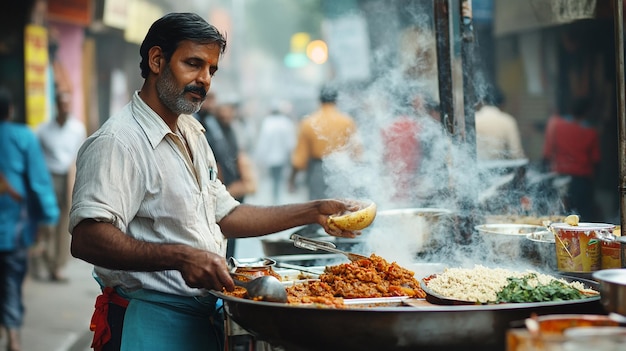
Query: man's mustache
[196, 90]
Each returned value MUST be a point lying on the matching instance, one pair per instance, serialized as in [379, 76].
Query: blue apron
[157, 321]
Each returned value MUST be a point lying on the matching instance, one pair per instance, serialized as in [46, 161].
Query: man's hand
[203, 269]
[5, 187]
[104, 245]
[335, 207]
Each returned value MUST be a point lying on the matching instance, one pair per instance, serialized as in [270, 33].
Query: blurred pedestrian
[149, 212]
[60, 140]
[402, 150]
[32, 204]
[234, 167]
[497, 133]
[572, 148]
[277, 138]
[207, 109]
[323, 132]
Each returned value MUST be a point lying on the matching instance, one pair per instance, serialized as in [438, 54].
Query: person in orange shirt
[325, 131]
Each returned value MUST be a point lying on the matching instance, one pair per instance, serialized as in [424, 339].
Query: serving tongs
[314, 245]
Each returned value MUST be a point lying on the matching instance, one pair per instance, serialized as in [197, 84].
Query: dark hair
[580, 106]
[170, 30]
[6, 101]
[328, 94]
[494, 97]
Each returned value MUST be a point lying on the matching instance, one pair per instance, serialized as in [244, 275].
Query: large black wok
[399, 327]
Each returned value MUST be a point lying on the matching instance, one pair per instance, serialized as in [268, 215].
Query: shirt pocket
[209, 203]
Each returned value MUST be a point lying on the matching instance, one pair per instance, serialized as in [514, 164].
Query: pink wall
[70, 54]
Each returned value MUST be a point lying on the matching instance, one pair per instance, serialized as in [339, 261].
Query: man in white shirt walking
[60, 140]
[497, 133]
[277, 139]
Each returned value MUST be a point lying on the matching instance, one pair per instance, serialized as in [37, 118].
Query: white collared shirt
[60, 143]
[136, 174]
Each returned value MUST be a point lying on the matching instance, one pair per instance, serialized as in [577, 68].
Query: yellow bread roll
[356, 220]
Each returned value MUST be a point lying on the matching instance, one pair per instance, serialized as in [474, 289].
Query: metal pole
[468, 64]
[442, 14]
[444, 63]
[618, 18]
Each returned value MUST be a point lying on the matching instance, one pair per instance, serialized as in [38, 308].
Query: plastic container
[578, 248]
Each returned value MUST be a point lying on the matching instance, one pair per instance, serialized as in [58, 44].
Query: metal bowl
[612, 289]
[507, 241]
[413, 230]
[540, 249]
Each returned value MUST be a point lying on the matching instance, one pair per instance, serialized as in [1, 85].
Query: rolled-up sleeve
[225, 203]
[109, 186]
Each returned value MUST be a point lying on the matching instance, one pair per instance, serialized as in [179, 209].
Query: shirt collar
[153, 125]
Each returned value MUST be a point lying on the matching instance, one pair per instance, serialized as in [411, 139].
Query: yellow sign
[299, 42]
[36, 73]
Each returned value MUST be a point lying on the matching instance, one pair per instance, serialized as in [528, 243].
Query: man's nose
[204, 77]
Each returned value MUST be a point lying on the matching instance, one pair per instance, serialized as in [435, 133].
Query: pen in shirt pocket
[212, 173]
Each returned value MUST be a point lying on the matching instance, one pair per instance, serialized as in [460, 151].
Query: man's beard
[174, 99]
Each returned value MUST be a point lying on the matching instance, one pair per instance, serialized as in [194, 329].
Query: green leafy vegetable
[521, 290]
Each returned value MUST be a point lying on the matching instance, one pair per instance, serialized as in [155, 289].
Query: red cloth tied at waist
[99, 323]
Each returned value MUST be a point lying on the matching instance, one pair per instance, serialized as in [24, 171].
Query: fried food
[365, 278]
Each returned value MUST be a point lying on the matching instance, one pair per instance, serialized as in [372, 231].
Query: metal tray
[438, 299]
[407, 326]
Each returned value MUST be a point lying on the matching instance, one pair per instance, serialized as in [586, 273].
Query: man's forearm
[102, 244]
[248, 221]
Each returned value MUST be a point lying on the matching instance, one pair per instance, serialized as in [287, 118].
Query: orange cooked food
[365, 278]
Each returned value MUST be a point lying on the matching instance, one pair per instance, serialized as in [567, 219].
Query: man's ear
[155, 59]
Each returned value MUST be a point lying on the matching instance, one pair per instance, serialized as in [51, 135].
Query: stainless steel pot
[507, 240]
[399, 326]
[413, 230]
[612, 289]
[539, 249]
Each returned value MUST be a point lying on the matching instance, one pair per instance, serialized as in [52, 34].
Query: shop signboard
[36, 73]
[70, 11]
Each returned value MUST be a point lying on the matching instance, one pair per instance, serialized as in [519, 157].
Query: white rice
[481, 284]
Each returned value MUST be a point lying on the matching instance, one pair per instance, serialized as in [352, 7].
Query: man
[60, 139]
[402, 151]
[149, 211]
[497, 133]
[325, 131]
[233, 167]
[277, 138]
[572, 148]
[26, 202]
[207, 109]
[230, 158]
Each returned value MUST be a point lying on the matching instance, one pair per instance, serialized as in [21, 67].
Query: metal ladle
[265, 288]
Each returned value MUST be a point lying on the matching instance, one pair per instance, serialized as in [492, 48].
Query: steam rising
[447, 177]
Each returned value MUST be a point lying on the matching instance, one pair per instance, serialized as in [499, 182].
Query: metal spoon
[314, 245]
[265, 288]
